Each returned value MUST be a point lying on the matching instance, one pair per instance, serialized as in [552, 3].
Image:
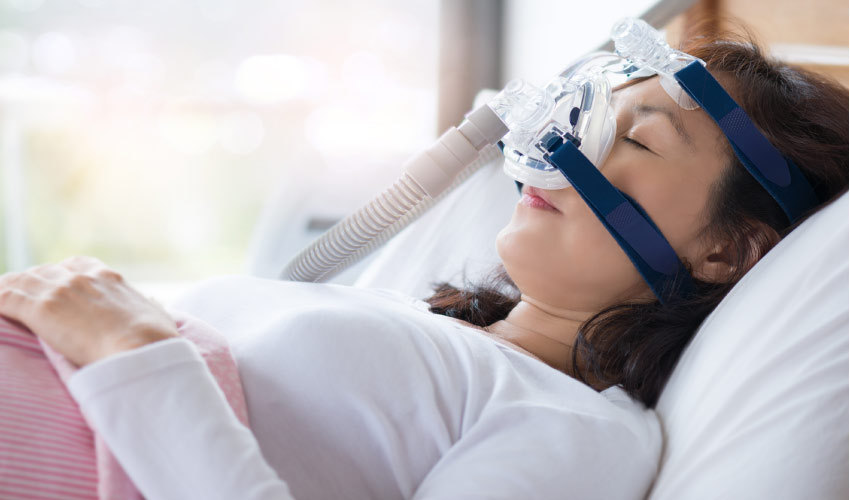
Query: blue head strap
[637, 235]
[629, 224]
[776, 173]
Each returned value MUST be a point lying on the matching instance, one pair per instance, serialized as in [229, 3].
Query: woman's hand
[83, 309]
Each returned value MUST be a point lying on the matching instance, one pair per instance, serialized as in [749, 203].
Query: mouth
[537, 198]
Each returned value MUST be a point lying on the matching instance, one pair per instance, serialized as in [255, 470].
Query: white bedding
[758, 406]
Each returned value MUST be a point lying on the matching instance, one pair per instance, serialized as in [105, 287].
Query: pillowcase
[757, 405]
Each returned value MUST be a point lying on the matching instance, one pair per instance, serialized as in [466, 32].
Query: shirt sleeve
[168, 424]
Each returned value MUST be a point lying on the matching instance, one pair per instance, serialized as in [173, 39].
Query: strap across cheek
[631, 227]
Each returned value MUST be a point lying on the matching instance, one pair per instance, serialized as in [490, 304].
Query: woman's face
[566, 258]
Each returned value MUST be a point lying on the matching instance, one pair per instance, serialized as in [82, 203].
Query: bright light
[189, 226]
[188, 132]
[217, 10]
[364, 73]
[119, 42]
[353, 126]
[153, 132]
[271, 79]
[53, 53]
[143, 71]
[336, 129]
[25, 5]
[13, 51]
[94, 4]
[241, 132]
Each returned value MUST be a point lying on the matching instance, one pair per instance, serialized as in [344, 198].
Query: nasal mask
[576, 104]
[557, 136]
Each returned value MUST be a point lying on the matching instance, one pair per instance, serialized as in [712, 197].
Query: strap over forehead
[776, 173]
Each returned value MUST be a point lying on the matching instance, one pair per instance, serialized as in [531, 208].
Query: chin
[517, 257]
[505, 239]
[505, 247]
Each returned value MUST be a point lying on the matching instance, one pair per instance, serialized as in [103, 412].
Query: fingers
[15, 304]
[83, 264]
[78, 264]
[35, 280]
[92, 267]
[65, 271]
[21, 294]
[52, 272]
[27, 281]
[20, 290]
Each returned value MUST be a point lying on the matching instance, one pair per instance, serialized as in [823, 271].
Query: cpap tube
[457, 154]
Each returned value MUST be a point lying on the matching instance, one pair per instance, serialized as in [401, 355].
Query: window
[151, 134]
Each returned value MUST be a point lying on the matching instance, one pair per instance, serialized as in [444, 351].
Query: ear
[722, 262]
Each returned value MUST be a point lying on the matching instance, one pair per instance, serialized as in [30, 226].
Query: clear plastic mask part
[575, 108]
[575, 105]
[645, 47]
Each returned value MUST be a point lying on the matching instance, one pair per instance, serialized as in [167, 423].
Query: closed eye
[629, 140]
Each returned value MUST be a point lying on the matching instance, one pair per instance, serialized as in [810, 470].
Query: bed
[758, 404]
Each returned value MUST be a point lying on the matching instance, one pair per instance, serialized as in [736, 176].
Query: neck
[546, 332]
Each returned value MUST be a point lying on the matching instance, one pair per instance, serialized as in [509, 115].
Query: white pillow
[757, 406]
[456, 238]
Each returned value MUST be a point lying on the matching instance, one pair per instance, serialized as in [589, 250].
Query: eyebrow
[675, 120]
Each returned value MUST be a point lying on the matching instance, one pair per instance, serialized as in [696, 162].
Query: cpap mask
[576, 103]
[557, 137]
[561, 134]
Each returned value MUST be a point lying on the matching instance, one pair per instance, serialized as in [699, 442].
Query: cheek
[675, 204]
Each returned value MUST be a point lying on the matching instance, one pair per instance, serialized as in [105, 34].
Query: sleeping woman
[539, 384]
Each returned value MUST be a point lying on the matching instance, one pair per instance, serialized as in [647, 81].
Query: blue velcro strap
[776, 173]
[649, 251]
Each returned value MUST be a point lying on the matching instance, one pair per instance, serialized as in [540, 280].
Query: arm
[144, 389]
[165, 420]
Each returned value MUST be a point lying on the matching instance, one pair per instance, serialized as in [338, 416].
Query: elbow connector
[435, 168]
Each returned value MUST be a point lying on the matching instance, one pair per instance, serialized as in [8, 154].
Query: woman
[362, 394]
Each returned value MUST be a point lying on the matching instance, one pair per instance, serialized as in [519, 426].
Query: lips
[538, 198]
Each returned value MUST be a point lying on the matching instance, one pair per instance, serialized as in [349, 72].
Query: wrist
[129, 343]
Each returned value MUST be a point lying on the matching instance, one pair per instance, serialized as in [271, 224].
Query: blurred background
[180, 140]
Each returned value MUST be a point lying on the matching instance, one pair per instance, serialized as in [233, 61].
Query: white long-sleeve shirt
[357, 393]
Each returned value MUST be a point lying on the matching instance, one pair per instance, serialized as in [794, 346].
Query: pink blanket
[47, 449]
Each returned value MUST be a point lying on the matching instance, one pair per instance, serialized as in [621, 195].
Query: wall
[542, 36]
[813, 34]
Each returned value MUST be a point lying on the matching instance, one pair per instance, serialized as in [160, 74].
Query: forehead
[643, 91]
[678, 177]
[647, 97]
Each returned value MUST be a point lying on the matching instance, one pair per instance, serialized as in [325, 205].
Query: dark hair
[636, 344]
